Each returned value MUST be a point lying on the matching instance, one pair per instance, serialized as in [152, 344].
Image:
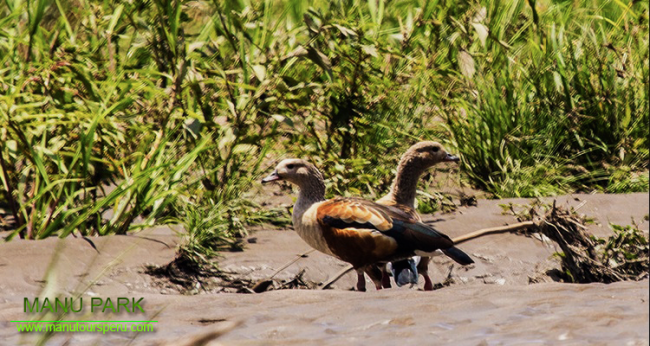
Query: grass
[212, 227]
[120, 115]
[570, 96]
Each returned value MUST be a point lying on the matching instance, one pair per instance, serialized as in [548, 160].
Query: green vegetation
[120, 115]
[569, 98]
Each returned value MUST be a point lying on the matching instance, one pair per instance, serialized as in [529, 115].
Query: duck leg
[423, 268]
[385, 277]
[361, 281]
[376, 275]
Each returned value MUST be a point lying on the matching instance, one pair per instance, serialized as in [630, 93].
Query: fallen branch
[463, 238]
[585, 258]
[493, 230]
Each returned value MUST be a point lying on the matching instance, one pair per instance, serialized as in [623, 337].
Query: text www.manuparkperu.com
[40, 327]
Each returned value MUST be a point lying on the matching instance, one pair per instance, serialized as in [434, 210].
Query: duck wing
[360, 213]
[376, 232]
[404, 208]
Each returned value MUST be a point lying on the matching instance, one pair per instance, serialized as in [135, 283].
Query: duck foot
[385, 279]
[361, 282]
[428, 285]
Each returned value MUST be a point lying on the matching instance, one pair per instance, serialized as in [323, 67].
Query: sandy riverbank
[492, 303]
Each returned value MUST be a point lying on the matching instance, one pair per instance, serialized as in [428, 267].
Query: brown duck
[415, 161]
[360, 232]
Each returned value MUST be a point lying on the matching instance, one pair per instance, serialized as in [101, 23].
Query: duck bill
[451, 158]
[271, 177]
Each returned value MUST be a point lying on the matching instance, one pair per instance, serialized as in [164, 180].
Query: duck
[360, 232]
[413, 163]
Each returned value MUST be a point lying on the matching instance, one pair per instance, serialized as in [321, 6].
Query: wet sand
[491, 303]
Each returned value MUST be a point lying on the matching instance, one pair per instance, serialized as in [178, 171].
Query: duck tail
[458, 255]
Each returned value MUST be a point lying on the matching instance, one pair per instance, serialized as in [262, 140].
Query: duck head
[295, 171]
[427, 154]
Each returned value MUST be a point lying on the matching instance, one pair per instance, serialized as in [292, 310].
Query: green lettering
[95, 302]
[63, 305]
[107, 304]
[47, 305]
[124, 304]
[137, 304]
[81, 304]
[32, 308]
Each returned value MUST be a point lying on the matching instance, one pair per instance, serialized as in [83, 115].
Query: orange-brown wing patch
[394, 211]
[352, 229]
[355, 211]
[359, 247]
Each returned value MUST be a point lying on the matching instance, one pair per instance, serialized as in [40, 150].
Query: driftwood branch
[582, 259]
[463, 238]
[494, 230]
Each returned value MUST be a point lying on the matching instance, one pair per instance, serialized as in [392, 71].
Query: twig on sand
[582, 204]
[302, 255]
[206, 337]
[335, 278]
[264, 285]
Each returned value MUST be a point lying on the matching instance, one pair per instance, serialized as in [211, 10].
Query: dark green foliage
[558, 100]
[115, 115]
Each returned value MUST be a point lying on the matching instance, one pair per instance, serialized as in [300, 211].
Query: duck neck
[405, 184]
[311, 191]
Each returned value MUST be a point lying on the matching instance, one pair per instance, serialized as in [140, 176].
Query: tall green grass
[567, 104]
[116, 116]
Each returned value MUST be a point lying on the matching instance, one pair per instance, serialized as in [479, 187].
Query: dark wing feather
[410, 234]
[419, 236]
[355, 232]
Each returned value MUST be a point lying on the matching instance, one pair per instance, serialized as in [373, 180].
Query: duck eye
[435, 149]
[290, 166]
